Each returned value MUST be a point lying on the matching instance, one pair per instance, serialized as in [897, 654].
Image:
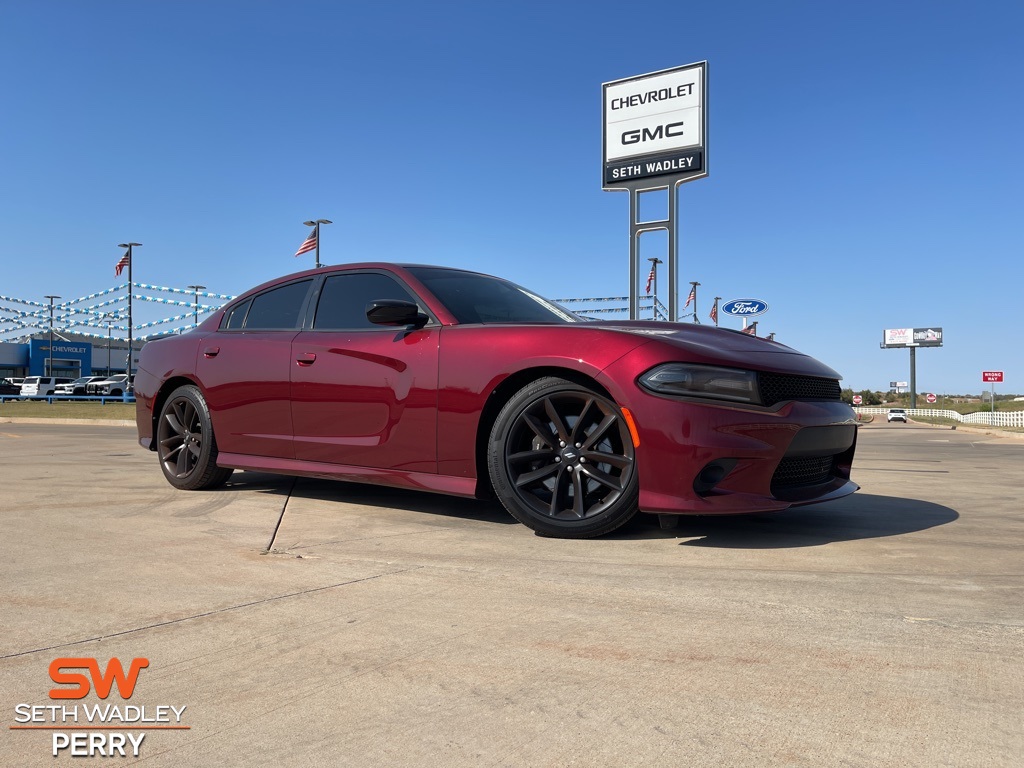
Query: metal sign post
[993, 377]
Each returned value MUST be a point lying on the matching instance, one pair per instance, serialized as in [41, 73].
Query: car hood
[723, 346]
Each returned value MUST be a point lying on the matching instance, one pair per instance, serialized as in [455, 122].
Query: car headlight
[705, 381]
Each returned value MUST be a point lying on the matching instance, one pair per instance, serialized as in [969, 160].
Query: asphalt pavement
[302, 622]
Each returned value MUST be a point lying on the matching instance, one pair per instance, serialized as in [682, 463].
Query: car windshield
[83, 380]
[474, 298]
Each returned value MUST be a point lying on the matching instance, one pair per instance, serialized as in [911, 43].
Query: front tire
[186, 444]
[561, 460]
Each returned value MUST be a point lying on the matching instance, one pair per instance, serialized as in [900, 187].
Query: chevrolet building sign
[656, 125]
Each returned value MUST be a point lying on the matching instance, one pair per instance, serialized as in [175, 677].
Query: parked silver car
[115, 386]
[78, 386]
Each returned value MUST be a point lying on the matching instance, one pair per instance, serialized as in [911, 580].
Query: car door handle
[305, 358]
[211, 351]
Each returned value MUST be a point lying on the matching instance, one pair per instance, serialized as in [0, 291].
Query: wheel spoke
[557, 493]
[191, 417]
[595, 437]
[556, 420]
[540, 429]
[579, 429]
[527, 456]
[172, 420]
[182, 466]
[603, 457]
[578, 495]
[603, 478]
[528, 478]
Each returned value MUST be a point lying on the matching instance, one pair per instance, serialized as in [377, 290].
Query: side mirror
[394, 312]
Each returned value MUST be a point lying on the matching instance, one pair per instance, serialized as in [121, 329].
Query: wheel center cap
[570, 454]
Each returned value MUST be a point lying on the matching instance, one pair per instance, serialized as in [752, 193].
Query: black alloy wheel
[561, 460]
[185, 442]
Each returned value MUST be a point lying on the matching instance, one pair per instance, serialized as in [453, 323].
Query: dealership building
[72, 355]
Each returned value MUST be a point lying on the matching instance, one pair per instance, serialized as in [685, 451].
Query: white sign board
[898, 336]
[656, 125]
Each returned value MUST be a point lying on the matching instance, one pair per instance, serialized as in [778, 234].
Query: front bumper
[706, 459]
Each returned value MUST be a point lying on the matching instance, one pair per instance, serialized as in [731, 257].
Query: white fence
[986, 418]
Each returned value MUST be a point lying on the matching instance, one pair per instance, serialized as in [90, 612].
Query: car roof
[391, 266]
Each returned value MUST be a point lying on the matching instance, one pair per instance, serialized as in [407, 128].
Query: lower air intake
[794, 473]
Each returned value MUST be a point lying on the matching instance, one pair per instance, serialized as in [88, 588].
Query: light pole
[316, 223]
[197, 289]
[108, 318]
[50, 360]
[129, 246]
[655, 261]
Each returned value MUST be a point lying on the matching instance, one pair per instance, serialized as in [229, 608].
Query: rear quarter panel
[159, 362]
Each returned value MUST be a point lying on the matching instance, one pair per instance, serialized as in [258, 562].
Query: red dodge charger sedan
[456, 382]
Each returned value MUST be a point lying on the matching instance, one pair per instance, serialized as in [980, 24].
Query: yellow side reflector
[632, 427]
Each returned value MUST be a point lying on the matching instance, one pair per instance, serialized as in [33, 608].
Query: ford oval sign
[745, 307]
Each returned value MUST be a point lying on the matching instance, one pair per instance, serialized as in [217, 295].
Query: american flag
[714, 314]
[124, 262]
[650, 279]
[308, 244]
[691, 297]
[751, 329]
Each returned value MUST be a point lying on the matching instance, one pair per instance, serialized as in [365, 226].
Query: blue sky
[865, 159]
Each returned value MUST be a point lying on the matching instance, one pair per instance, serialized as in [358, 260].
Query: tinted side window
[277, 308]
[237, 317]
[344, 298]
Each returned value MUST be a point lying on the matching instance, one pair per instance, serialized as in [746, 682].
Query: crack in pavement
[207, 613]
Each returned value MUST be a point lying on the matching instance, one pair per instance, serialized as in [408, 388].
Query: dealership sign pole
[655, 138]
[911, 338]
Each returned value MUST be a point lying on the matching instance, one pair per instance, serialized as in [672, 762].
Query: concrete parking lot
[404, 629]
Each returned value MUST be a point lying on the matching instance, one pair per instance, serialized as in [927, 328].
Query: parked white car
[41, 386]
[896, 414]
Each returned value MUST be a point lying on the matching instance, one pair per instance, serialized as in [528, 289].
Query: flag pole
[128, 368]
[655, 261]
[316, 224]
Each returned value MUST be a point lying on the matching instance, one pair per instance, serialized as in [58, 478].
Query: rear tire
[186, 444]
[561, 460]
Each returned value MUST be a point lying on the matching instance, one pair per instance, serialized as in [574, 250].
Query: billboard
[912, 337]
[656, 125]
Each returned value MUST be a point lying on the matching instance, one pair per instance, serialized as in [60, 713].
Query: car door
[245, 367]
[363, 394]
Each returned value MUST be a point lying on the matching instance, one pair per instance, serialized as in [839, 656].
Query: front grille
[796, 472]
[777, 387]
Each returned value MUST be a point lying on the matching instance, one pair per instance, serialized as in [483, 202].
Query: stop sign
[931, 398]
[857, 399]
